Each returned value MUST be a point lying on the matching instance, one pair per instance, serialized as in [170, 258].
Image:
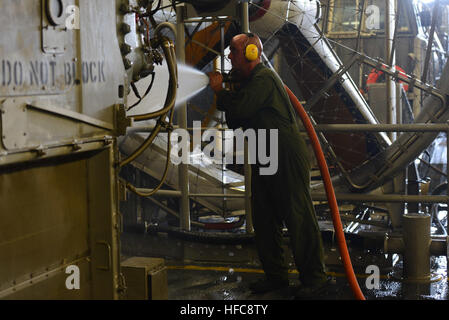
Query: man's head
[238, 47]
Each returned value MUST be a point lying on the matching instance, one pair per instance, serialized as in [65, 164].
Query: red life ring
[375, 74]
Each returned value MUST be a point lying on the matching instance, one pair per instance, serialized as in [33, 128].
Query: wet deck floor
[200, 271]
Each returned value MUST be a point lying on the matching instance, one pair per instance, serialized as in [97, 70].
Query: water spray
[191, 81]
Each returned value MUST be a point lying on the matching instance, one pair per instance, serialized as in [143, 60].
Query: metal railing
[388, 198]
[346, 197]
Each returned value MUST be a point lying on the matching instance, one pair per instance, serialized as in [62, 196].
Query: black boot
[267, 285]
[312, 291]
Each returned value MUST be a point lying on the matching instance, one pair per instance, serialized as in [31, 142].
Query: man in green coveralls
[261, 102]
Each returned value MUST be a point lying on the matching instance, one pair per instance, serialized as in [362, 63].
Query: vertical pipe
[390, 56]
[245, 17]
[406, 187]
[399, 103]
[359, 29]
[222, 47]
[417, 58]
[447, 180]
[183, 173]
[416, 235]
[430, 43]
[359, 44]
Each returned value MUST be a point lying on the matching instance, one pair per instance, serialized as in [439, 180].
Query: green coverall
[262, 103]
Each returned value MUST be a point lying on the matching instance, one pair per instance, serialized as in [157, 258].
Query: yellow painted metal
[59, 103]
[54, 213]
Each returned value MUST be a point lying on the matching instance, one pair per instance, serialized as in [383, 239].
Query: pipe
[168, 105]
[330, 196]
[416, 254]
[447, 182]
[393, 198]
[173, 83]
[430, 41]
[178, 194]
[168, 108]
[390, 56]
[142, 147]
[183, 168]
[172, 212]
[382, 127]
[149, 128]
[245, 16]
[395, 244]
[164, 175]
[336, 127]
[163, 25]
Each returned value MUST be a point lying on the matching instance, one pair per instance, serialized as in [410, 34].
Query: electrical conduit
[358, 294]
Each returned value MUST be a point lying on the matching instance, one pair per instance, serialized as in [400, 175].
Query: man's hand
[215, 81]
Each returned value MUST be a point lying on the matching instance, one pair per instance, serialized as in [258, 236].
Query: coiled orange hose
[341, 241]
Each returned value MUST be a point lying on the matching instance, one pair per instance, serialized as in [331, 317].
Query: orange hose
[341, 241]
